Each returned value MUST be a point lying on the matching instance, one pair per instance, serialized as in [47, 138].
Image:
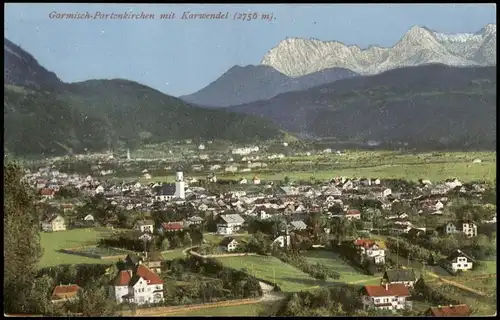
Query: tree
[94, 302]
[22, 248]
[165, 244]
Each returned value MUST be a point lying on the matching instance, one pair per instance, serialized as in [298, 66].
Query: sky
[179, 56]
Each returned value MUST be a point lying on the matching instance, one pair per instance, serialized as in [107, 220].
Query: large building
[139, 285]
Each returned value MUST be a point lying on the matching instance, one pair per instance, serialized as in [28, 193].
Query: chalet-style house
[468, 227]
[399, 276]
[371, 249]
[194, 220]
[144, 226]
[228, 244]
[229, 223]
[458, 261]
[388, 297]
[53, 223]
[458, 310]
[63, 293]
[47, 193]
[139, 285]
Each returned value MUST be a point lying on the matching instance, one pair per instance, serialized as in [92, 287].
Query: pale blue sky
[182, 56]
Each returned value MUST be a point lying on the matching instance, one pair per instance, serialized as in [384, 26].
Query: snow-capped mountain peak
[419, 45]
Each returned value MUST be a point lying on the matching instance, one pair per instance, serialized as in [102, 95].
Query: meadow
[250, 310]
[272, 269]
[435, 166]
[52, 242]
[347, 273]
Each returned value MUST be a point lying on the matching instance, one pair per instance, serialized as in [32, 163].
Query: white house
[147, 176]
[372, 250]
[453, 183]
[53, 223]
[229, 223]
[140, 286]
[243, 181]
[228, 244]
[388, 297]
[144, 225]
[256, 180]
[165, 192]
[99, 189]
[466, 226]
[458, 261]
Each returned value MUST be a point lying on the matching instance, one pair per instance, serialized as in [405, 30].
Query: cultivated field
[52, 242]
[347, 273]
[435, 166]
[170, 255]
[287, 277]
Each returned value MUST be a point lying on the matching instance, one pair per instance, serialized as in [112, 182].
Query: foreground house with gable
[138, 285]
[458, 260]
[229, 223]
[53, 223]
[386, 297]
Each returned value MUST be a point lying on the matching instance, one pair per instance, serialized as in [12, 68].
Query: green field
[288, 277]
[177, 253]
[347, 273]
[435, 166]
[241, 310]
[51, 242]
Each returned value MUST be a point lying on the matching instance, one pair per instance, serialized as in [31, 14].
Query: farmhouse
[65, 292]
[229, 223]
[47, 193]
[228, 244]
[458, 310]
[399, 276]
[389, 297]
[53, 223]
[138, 285]
[458, 261]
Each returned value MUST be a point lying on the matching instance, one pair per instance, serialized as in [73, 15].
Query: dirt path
[457, 284]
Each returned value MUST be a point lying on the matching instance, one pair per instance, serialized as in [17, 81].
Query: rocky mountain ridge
[296, 57]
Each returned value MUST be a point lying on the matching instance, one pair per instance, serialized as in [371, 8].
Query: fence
[194, 253]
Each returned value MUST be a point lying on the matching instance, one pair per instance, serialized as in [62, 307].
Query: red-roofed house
[65, 292]
[172, 226]
[389, 297]
[370, 249]
[47, 193]
[138, 286]
[353, 214]
[459, 310]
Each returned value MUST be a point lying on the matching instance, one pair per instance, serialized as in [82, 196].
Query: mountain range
[297, 57]
[44, 115]
[429, 105]
[241, 85]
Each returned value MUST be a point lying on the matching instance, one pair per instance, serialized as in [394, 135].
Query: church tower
[179, 185]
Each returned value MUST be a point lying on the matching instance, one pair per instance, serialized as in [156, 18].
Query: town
[375, 238]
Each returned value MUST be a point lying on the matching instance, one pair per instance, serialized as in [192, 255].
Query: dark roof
[459, 253]
[226, 241]
[133, 258]
[459, 310]
[398, 275]
[166, 189]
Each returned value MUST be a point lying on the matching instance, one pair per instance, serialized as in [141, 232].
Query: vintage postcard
[250, 160]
